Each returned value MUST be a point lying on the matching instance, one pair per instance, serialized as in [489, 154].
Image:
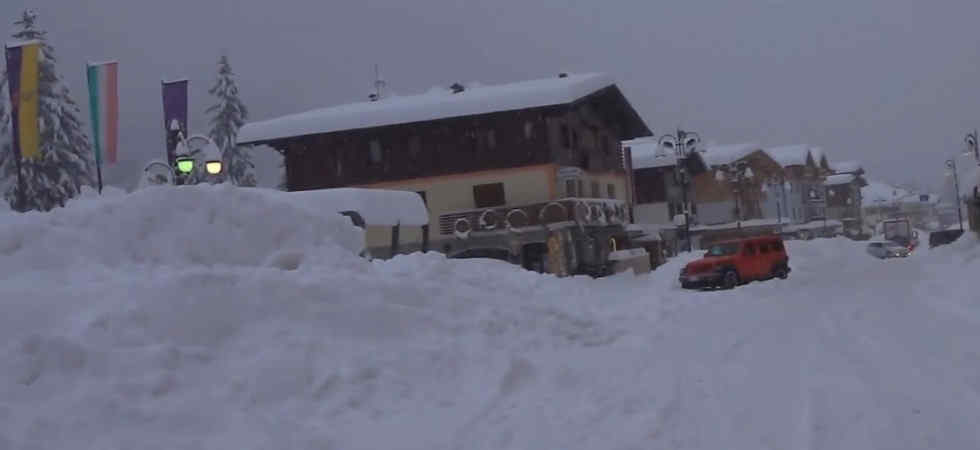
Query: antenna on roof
[379, 85]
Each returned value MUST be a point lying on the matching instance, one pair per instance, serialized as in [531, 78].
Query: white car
[887, 249]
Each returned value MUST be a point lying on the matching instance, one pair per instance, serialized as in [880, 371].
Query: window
[722, 250]
[488, 195]
[471, 141]
[581, 189]
[491, 139]
[595, 189]
[414, 148]
[376, 153]
[611, 190]
[565, 138]
[340, 163]
[569, 188]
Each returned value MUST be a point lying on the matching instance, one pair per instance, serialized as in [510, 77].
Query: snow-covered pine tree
[228, 114]
[66, 162]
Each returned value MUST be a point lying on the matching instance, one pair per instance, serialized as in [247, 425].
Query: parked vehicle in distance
[888, 249]
[730, 263]
[900, 231]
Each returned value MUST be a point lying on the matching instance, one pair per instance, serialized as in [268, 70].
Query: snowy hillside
[219, 318]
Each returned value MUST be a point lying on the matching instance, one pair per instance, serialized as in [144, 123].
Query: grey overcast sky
[893, 83]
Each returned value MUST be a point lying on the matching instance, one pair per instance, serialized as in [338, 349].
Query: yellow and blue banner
[23, 79]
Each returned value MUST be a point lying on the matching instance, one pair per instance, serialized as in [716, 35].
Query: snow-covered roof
[791, 155]
[647, 153]
[437, 103]
[847, 166]
[877, 192]
[844, 178]
[716, 155]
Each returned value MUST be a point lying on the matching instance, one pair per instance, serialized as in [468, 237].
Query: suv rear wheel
[781, 272]
[729, 280]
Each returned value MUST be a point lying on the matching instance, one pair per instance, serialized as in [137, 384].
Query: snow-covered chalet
[529, 172]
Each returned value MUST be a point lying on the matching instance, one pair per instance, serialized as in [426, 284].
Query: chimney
[457, 88]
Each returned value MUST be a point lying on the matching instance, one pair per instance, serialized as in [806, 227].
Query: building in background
[844, 201]
[529, 172]
[659, 189]
[722, 201]
[804, 169]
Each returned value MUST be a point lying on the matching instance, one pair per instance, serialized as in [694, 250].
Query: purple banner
[174, 113]
[13, 55]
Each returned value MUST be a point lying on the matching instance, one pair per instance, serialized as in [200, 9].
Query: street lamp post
[191, 148]
[682, 144]
[951, 166]
[735, 174]
[171, 173]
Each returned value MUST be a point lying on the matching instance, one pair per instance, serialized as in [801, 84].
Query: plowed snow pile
[222, 318]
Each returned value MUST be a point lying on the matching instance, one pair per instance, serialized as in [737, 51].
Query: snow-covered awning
[380, 207]
[647, 153]
[835, 180]
[847, 167]
[437, 103]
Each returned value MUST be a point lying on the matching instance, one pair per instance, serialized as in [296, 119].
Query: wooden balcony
[582, 211]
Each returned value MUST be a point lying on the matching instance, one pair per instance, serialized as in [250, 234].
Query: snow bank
[187, 225]
[124, 350]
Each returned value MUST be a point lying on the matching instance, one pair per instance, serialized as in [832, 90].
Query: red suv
[730, 263]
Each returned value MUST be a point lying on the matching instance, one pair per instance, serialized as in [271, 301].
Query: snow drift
[128, 337]
[189, 225]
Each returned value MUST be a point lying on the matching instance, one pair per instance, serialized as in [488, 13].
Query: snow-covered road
[130, 339]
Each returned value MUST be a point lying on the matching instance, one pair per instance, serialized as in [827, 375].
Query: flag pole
[20, 183]
[98, 171]
[16, 154]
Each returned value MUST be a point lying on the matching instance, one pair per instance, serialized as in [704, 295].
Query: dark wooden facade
[707, 188]
[585, 134]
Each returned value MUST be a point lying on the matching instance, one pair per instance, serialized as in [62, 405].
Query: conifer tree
[228, 114]
[66, 162]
